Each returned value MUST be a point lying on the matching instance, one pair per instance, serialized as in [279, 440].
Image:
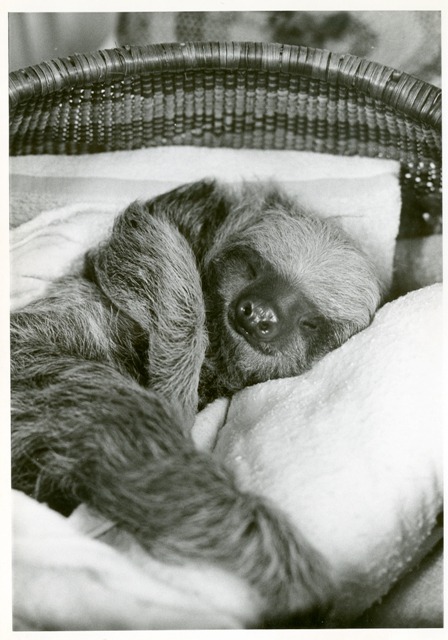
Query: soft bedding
[350, 450]
[62, 205]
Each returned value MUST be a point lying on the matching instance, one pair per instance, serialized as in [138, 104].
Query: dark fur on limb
[194, 295]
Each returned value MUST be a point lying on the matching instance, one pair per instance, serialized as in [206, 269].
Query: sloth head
[282, 289]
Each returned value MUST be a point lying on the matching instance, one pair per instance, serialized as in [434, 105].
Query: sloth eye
[310, 324]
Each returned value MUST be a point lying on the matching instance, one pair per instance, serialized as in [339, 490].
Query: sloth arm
[147, 270]
[94, 434]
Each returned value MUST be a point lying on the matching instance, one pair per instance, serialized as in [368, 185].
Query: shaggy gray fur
[194, 295]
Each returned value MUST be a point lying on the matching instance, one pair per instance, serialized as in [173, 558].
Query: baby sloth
[194, 295]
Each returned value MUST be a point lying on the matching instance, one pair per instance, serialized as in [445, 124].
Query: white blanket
[331, 447]
[64, 579]
[351, 450]
[62, 205]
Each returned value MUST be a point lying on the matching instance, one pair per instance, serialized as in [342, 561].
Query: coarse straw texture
[232, 94]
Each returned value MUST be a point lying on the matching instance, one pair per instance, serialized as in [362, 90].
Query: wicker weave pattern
[249, 95]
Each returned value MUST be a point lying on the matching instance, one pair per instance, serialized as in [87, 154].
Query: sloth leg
[105, 441]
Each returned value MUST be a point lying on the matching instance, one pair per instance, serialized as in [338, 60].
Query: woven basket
[252, 95]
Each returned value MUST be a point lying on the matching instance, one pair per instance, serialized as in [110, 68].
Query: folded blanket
[416, 601]
[352, 450]
[64, 580]
[62, 205]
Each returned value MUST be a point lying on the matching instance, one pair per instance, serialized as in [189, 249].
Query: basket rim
[415, 98]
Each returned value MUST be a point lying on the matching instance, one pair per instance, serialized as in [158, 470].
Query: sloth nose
[257, 318]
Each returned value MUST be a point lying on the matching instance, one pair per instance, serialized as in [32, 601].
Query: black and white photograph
[224, 319]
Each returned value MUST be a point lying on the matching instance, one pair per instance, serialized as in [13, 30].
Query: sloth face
[279, 295]
[262, 325]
